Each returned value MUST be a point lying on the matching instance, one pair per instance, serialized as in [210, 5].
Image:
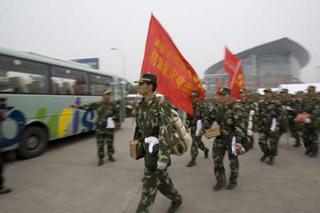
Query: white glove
[110, 123]
[233, 146]
[289, 108]
[199, 127]
[161, 165]
[237, 148]
[307, 120]
[273, 125]
[151, 141]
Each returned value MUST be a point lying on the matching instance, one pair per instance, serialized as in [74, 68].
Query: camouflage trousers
[310, 139]
[105, 139]
[220, 146]
[294, 130]
[268, 142]
[153, 181]
[196, 143]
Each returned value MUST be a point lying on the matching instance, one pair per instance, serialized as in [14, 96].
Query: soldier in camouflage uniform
[199, 113]
[229, 115]
[290, 107]
[153, 130]
[250, 110]
[283, 98]
[106, 109]
[297, 103]
[310, 106]
[269, 121]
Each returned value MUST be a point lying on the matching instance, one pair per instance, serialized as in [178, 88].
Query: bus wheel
[33, 142]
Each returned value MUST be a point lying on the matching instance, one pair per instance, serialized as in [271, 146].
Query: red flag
[233, 66]
[231, 62]
[176, 77]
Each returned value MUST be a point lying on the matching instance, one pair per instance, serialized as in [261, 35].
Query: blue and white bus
[39, 92]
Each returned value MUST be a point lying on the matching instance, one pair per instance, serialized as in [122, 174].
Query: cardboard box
[212, 132]
[136, 152]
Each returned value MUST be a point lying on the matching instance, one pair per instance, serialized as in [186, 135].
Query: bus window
[21, 76]
[99, 83]
[68, 82]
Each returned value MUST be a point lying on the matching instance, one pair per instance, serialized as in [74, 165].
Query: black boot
[4, 190]
[100, 161]
[231, 186]
[264, 157]
[308, 151]
[192, 162]
[270, 160]
[206, 153]
[175, 205]
[111, 158]
[313, 153]
[219, 185]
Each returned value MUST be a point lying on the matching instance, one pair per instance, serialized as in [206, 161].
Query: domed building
[265, 66]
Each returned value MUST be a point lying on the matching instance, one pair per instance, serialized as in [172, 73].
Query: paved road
[66, 179]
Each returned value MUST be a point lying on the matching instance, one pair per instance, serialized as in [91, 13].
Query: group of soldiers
[269, 115]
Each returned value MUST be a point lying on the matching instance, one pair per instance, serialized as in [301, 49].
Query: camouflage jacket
[267, 111]
[104, 111]
[294, 107]
[153, 119]
[230, 118]
[247, 107]
[199, 113]
[312, 106]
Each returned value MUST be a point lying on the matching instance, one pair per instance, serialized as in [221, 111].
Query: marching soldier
[229, 115]
[309, 120]
[106, 111]
[250, 110]
[199, 112]
[269, 122]
[290, 108]
[153, 128]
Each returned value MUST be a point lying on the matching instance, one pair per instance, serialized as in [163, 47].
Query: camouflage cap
[106, 92]
[147, 78]
[311, 88]
[224, 91]
[284, 91]
[243, 90]
[267, 90]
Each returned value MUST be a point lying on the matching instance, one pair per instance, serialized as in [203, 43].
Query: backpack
[181, 137]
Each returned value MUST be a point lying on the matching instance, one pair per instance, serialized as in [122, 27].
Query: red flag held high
[233, 66]
[176, 77]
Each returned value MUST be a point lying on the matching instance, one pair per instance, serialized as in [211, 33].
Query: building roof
[280, 46]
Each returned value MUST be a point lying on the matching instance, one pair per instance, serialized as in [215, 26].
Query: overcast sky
[70, 29]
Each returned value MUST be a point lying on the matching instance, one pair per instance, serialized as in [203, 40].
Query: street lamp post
[122, 84]
[123, 60]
